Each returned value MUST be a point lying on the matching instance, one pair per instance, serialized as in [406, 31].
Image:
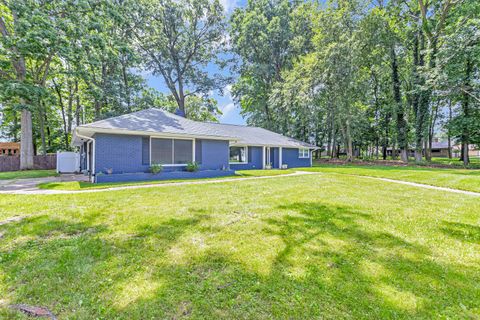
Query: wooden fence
[12, 163]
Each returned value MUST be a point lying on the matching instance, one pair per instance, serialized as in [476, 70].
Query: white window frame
[301, 153]
[173, 151]
[246, 155]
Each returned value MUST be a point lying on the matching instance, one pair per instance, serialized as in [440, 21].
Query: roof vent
[180, 112]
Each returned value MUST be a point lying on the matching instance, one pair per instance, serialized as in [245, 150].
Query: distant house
[9, 149]
[439, 149]
[124, 148]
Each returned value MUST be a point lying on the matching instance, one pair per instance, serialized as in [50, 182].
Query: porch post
[263, 157]
[280, 152]
[193, 151]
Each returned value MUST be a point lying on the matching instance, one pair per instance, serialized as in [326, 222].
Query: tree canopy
[356, 77]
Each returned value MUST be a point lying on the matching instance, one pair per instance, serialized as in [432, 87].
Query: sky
[230, 111]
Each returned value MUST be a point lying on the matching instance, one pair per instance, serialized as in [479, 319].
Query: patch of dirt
[184, 310]
[34, 311]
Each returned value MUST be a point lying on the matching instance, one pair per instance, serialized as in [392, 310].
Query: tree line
[360, 76]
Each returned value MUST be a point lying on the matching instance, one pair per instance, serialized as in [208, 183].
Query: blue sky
[231, 112]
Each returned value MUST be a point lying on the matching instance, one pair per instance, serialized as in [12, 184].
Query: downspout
[92, 169]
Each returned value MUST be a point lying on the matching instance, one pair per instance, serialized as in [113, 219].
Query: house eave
[241, 144]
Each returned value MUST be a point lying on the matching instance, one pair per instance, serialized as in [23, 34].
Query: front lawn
[301, 247]
[462, 179]
[27, 174]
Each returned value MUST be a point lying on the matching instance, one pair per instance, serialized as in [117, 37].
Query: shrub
[156, 168]
[192, 166]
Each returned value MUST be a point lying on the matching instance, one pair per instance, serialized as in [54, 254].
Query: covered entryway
[272, 157]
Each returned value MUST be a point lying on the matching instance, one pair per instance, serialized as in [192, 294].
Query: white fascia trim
[92, 131]
[271, 146]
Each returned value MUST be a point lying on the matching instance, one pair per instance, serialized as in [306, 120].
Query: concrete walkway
[425, 186]
[29, 186]
[29, 189]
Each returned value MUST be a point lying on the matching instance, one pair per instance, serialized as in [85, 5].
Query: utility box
[68, 162]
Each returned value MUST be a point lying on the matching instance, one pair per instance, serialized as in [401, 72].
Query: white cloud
[227, 109]
[229, 5]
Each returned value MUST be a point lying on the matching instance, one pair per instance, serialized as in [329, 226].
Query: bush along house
[154, 144]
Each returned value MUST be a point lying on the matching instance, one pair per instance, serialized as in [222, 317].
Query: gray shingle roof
[160, 121]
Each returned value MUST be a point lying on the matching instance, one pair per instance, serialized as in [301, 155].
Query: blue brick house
[124, 148]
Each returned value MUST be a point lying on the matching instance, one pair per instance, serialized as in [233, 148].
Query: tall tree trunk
[385, 139]
[466, 110]
[422, 99]
[78, 108]
[449, 136]
[401, 122]
[26, 142]
[41, 121]
[64, 116]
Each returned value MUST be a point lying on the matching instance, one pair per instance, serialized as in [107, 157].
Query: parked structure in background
[9, 148]
[439, 149]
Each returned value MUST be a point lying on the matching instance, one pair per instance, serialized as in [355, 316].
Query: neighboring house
[439, 149]
[9, 149]
[124, 148]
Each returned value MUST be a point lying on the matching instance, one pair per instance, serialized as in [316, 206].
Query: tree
[31, 48]
[178, 40]
[266, 37]
[458, 75]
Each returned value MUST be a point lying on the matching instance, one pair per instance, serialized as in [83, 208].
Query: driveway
[30, 185]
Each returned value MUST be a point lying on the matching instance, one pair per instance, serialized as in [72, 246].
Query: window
[182, 151]
[162, 151]
[238, 154]
[303, 153]
[146, 151]
[171, 151]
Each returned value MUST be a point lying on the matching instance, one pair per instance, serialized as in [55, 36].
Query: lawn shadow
[74, 267]
[398, 277]
[462, 231]
[330, 262]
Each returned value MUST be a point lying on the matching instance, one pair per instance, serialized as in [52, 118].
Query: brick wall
[123, 154]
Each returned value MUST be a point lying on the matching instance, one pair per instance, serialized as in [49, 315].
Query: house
[123, 148]
[439, 149]
[9, 149]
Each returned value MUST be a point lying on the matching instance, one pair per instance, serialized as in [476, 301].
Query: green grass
[27, 174]
[81, 185]
[303, 247]
[462, 179]
[474, 162]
